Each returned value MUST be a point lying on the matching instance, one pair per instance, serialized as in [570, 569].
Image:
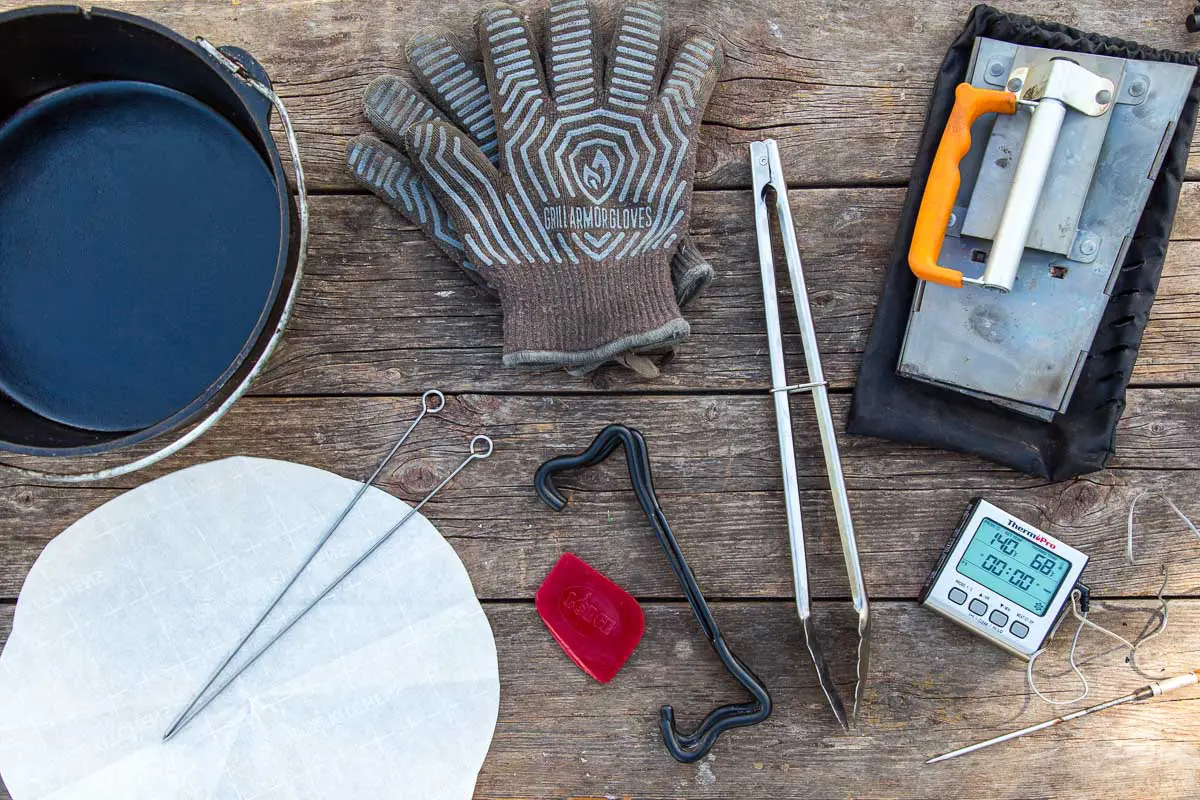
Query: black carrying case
[1082, 439]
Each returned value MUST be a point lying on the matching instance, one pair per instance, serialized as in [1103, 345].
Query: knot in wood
[418, 477]
[1079, 499]
[481, 405]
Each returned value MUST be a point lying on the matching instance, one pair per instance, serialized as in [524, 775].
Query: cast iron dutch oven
[149, 244]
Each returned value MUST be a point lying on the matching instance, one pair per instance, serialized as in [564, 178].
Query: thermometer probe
[1145, 693]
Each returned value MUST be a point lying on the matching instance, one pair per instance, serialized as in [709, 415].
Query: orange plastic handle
[944, 178]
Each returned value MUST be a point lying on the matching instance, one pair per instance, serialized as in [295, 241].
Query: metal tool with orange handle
[1036, 189]
[941, 188]
[1050, 89]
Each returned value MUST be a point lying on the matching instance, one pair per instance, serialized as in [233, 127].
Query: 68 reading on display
[1026, 572]
[1003, 579]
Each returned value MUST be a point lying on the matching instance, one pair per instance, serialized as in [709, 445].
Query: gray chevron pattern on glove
[457, 93]
[577, 222]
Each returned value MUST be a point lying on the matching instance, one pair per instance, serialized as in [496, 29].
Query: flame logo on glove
[597, 178]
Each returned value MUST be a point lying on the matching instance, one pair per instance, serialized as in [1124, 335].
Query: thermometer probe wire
[1083, 617]
[1085, 622]
[1129, 522]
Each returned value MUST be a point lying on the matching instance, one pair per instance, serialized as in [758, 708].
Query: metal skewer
[477, 452]
[1145, 693]
[768, 174]
[478, 442]
[427, 407]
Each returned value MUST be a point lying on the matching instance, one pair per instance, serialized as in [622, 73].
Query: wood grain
[718, 475]
[382, 316]
[382, 311]
[933, 687]
[842, 85]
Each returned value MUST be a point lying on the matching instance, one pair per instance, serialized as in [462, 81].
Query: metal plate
[1071, 171]
[1024, 349]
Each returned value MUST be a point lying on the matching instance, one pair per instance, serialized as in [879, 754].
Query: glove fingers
[636, 55]
[385, 171]
[468, 187]
[691, 80]
[514, 70]
[393, 106]
[456, 86]
[573, 56]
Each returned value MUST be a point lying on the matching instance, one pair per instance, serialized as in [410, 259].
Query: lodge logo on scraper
[596, 622]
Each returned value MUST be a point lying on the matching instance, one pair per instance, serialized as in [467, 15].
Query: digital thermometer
[1003, 579]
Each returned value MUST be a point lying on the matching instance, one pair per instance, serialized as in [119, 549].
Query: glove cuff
[573, 314]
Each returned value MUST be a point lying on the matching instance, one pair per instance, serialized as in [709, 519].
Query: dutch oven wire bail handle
[219, 412]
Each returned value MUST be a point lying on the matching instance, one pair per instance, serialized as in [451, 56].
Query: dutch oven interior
[143, 232]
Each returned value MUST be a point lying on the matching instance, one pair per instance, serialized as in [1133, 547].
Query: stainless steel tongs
[768, 174]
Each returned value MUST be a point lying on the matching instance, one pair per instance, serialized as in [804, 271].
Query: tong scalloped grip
[941, 188]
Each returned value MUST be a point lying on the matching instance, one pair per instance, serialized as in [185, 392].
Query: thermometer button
[978, 607]
[999, 618]
[1019, 630]
[957, 596]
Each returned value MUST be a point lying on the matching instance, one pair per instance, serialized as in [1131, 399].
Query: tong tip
[823, 675]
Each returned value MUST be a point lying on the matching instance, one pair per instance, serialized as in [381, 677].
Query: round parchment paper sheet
[388, 689]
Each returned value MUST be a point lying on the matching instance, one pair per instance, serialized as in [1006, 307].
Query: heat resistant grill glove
[454, 91]
[576, 224]
[377, 165]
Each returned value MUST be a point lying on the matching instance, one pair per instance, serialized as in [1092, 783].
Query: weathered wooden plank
[933, 687]
[718, 474]
[833, 81]
[383, 311]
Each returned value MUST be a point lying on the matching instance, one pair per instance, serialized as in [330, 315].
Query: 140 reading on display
[1014, 567]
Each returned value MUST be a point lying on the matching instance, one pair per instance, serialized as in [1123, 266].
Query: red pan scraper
[597, 623]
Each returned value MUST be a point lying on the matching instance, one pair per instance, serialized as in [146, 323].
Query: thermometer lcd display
[1013, 567]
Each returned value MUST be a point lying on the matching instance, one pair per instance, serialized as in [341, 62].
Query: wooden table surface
[843, 86]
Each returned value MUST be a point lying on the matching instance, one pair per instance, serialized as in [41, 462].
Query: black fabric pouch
[1082, 439]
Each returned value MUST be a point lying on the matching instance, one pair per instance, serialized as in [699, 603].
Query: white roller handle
[1176, 683]
[1016, 221]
